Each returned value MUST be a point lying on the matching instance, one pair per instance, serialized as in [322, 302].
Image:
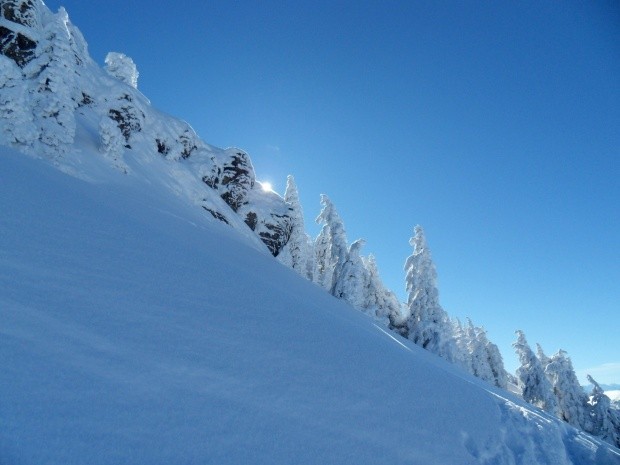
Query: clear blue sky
[495, 125]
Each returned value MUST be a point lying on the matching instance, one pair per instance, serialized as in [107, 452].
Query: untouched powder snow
[134, 329]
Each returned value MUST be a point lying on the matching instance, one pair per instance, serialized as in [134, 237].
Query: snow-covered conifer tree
[311, 257]
[571, 398]
[330, 246]
[122, 68]
[16, 119]
[462, 343]
[53, 72]
[479, 354]
[323, 268]
[296, 250]
[352, 283]
[544, 360]
[605, 420]
[427, 324]
[535, 386]
[112, 142]
[380, 301]
[496, 362]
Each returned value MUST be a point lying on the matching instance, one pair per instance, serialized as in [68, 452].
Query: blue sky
[495, 125]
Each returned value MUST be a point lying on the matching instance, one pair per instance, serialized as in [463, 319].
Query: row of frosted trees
[337, 266]
[329, 261]
[551, 384]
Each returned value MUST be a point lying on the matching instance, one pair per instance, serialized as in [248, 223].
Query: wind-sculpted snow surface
[134, 329]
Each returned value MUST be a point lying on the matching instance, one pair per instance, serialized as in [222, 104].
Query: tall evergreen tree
[53, 71]
[353, 279]
[297, 253]
[544, 360]
[477, 342]
[16, 119]
[571, 398]
[500, 375]
[535, 386]
[380, 301]
[462, 341]
[427, 324]
[331, 246]
[112, 143]
[605, 420]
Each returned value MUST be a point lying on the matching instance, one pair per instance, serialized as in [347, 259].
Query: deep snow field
[135, 329]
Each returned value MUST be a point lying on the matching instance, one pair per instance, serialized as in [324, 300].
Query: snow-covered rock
[55, 99]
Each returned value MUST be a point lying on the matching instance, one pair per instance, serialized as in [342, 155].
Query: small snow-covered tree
[535, 386]
[571, 398]
[112, 143]
[323, 268]
[380, 301]
[53, 72]
[428, 324]
[605, 420]
[352, 283]
[544, 360]
[462, 341]
[122, 68]
[297, 253]
[479, 357]
[496, 362]
[16, 119]
[311, 257]
[330, 246]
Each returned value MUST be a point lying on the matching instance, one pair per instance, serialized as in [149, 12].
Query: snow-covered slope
[135, 329]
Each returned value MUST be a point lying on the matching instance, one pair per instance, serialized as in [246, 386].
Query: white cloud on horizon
[606, 373]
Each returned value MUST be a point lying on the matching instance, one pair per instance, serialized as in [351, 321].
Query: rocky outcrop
[263, 212]
[18, 17]
[269, 217]
[39, 41]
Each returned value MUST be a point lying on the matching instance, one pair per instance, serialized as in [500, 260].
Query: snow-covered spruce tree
[485, 360]
[330, 246]
[428, 324]
[323, 268]
[478, 355]
[605, 421]
[122, 68]
[462, 342]
[16, 119]
[544, 360]
[352, 282]
[380, 301]
[112, 143]
[496, 362]
[53, 72]
[311, 257]
[534, 385]
[296, 250]
[571, 398]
